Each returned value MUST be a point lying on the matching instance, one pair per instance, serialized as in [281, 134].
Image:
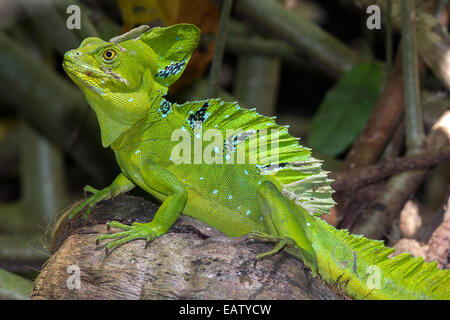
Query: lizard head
[123, 77]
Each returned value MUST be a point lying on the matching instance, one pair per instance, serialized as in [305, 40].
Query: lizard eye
[109, 54]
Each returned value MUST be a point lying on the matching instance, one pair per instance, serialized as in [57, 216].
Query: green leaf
[346, 109]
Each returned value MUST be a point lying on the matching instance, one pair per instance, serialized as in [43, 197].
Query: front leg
[152, 178]
[120, 185]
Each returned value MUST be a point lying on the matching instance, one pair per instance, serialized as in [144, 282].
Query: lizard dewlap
[228, 166]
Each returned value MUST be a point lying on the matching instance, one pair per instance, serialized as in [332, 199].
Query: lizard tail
[364, 270]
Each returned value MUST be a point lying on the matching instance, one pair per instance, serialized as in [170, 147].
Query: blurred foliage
[344, 112]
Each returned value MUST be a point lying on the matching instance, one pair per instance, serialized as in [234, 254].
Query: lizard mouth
[88, 74]
[82, 71]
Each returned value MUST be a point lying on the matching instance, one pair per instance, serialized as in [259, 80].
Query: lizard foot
[137, 230]
[97, 196]
[281, 243]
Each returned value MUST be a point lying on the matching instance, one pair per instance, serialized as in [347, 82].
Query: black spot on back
[199, 115]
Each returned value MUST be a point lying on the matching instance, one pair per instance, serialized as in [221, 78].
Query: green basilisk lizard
[230, 167]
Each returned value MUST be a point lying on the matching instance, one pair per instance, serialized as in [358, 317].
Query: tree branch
[411, 87]
[328, 53]
[354, 179]
[381, 124]
[219, 48]
[400, 187]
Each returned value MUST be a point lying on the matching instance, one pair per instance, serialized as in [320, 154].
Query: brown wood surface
[192, 261]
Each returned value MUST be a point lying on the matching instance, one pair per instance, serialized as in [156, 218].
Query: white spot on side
[131, 99]
[248, 212]
[215, 191]
[230, 197]
[308, 224]
[201, 178]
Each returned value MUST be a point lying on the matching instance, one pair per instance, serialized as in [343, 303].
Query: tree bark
[191, 261]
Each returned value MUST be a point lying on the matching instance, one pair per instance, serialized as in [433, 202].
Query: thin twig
[354, 179]
[219, 48]
[415, 133]
[381, 124]
[389, 42]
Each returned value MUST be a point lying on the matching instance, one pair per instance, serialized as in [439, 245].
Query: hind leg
[285, 223]
[271, 234]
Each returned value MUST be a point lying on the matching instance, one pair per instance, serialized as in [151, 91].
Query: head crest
[173, 47]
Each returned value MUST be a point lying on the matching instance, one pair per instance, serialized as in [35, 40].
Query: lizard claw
[90, 189]
[97, 196]
[137, 230]
[281, 243]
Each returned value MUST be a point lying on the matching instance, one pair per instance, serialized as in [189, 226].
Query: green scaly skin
[125, 82]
